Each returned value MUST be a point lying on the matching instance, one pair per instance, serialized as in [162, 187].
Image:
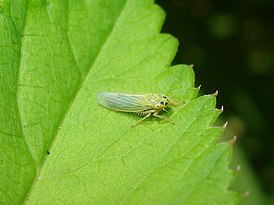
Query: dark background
[231, 44]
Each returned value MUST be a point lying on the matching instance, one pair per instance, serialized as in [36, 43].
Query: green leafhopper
[140, 104]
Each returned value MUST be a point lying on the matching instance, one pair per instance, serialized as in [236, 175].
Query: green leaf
[59, 146]
[246, 181]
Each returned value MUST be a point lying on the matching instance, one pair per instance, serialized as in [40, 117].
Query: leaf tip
[238, 168]
[216, 93]
[233, 140]
[246, 194]
[225, 125]
[221, 110]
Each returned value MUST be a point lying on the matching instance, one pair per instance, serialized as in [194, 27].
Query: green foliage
[59, 146]
[246, 181]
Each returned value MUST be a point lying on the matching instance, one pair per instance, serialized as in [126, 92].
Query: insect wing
[123, 102]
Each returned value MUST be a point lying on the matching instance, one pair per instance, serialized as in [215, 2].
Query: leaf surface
[59, 146]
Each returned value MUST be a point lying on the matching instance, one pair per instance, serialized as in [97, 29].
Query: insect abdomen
[141, 114]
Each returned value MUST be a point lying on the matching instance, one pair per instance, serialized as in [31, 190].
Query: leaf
[246, 181]
[59, 146]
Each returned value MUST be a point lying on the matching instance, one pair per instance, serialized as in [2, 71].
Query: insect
[140, 104]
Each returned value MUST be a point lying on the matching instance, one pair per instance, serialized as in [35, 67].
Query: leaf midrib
[72, 99]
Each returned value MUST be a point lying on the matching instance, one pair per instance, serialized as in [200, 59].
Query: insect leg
[148, 115]
[172, 102]
[164, 118]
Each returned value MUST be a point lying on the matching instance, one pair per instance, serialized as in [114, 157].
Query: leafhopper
[145, 105]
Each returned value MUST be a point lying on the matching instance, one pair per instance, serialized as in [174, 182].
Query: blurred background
[231, 44]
